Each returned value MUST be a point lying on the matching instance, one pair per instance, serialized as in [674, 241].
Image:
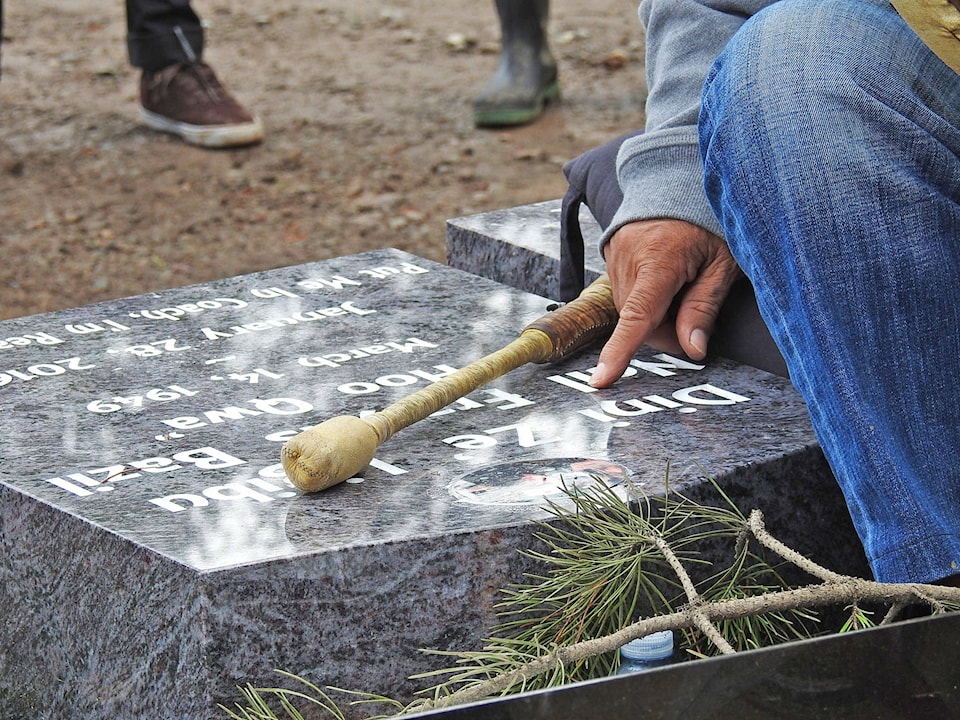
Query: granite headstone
[153, 555]
[518, 246]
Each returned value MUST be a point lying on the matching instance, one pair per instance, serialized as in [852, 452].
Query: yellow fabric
[937, 22]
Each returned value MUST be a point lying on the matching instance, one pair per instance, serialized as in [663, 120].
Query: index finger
[651, 294]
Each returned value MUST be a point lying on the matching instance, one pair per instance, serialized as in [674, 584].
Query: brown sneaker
[188, 100]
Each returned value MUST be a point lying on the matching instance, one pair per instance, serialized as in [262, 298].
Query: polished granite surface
[160, 417]
[520, 246]
[150, 544]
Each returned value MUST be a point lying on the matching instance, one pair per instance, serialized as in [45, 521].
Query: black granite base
[899, 672]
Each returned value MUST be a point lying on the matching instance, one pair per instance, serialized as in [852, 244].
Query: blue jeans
[831, 144]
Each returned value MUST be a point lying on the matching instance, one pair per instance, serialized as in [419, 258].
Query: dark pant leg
[162, 32]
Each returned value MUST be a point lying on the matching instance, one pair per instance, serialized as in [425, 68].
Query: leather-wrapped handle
[582, 322]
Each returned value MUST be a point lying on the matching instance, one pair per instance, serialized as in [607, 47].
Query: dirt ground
[370, 140]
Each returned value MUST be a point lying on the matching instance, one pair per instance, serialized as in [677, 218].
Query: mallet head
[329, 453]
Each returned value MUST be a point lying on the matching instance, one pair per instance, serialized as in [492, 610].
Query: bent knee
[809, 47]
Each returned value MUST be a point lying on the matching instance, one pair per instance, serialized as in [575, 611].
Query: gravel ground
[370, 139]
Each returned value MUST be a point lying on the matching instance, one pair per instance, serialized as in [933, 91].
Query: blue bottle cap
[655, 646]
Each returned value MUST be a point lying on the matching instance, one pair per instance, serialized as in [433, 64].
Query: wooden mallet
[339, 448]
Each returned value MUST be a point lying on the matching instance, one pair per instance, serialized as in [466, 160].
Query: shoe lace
[200, 72]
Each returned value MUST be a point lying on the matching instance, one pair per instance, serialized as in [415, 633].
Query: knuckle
[637, 310]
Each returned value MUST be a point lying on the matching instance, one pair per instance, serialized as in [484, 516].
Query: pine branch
[759, 530]
[695, 602]
[834, 589]
[841, 592]
[612, 563]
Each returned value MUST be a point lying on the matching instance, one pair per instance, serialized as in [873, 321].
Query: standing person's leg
[161, 33]
[526, 78]
[831, 138]
[179, 93]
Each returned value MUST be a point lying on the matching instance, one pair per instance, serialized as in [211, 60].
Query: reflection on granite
[520, 246]
[153, 555]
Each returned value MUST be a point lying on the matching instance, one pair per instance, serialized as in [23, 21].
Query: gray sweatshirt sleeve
[660, 171]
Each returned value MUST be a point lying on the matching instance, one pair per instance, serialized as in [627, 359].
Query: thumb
[699, 308]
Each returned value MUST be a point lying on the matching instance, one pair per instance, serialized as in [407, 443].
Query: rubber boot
[526, 79]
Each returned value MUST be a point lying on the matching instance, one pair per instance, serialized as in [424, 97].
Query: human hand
[669, 279]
